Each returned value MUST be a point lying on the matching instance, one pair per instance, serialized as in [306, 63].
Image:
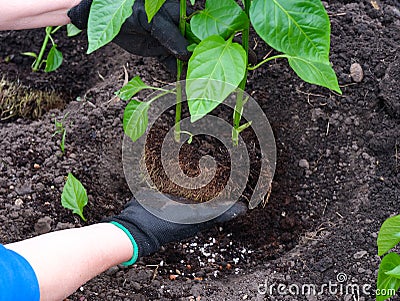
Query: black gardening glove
[160, 38]
[151, 232]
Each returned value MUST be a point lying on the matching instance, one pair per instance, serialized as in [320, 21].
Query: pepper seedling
[299, 30]
[60, 129]
[54, 57]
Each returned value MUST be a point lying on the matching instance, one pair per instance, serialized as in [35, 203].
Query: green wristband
[134, 244]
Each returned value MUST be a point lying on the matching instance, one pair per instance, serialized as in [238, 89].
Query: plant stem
[56, 29]
[39, 59]
[178, 107]
[182, 17]
[160, 95]
[190, 136]
[237, 115]
[280, 56]
[160, 89]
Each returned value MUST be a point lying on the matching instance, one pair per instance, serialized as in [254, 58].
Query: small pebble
[356, 72]
[360, 254]
[36, 166]
[43, 225]
[18, 202]
[303, 163]
[59, 180]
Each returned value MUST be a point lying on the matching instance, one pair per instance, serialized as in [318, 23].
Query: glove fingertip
[166, 32]
[169, 62]
[79, 14]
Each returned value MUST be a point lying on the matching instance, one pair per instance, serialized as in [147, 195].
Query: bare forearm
[73, 257]
[24, 14]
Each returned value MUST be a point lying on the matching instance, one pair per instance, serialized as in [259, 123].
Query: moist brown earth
[190, 156]
[321, 222]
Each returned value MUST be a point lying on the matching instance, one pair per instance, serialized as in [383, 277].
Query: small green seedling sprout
[190, 139]
[72, 30]
[389, 270]
[74, 196]
[54, 57]
[60, 129]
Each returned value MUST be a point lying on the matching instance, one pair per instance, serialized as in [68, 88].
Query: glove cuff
[135, 255]
[145, 244]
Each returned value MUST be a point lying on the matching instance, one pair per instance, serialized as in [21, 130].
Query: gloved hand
[160, 38]
[151, 232]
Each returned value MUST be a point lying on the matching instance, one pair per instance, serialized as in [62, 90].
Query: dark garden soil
[337, 176]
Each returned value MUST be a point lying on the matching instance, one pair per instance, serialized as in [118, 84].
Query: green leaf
[299, 28]
[317, 73]
[220, 17]
[31, 54]
[236, 132]
[54, 59]
[62, 143]
[191, 47]
[74, 196]
[389, 235]
[105, 20]
[394, 272]
[152, 7]
[190, 36]
[386, 282]
[134, 86]
[192, 2]
[244, 126]
[72, 30]
[215, 69]
[136, 119]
